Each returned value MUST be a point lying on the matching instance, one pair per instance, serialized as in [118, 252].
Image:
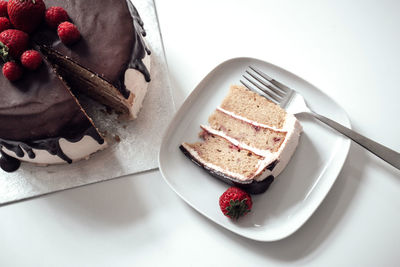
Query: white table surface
[349, 49]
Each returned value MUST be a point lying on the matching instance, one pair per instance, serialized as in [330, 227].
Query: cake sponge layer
[252, 106]
[218, 153]
[254, 136]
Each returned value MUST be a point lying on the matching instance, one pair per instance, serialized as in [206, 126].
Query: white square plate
[296, 192]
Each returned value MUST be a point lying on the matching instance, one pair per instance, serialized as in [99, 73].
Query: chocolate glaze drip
[51, 145]
[139, 51]
[139, 47]
[7, 163]
[272, 165]
[252, 187]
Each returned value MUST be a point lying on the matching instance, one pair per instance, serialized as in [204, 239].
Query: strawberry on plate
[235, 203]
[13, 42]
[26, 15]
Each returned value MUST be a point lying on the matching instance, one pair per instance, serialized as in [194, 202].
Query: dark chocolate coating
[38, 110]
[111, 38]
[41, 121]
[253, 187]
[38, 106]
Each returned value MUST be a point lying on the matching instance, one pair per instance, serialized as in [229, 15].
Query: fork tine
[280, 85]
[268, 95]
[255, 90]
[262, 88]
[275, 90]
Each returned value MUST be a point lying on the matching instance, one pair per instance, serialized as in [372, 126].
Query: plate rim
[344, 145]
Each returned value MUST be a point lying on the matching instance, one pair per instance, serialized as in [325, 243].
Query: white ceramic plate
[296, 192]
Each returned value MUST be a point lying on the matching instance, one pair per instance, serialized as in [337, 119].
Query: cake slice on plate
[248, 142]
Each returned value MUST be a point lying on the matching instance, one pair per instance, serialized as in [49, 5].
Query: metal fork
[294, 103]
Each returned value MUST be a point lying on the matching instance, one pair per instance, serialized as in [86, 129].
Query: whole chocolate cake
[41, 121]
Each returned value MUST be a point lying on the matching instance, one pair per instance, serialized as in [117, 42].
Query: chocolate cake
[41, 121]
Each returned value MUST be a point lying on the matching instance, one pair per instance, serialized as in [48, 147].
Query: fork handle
[390, 156]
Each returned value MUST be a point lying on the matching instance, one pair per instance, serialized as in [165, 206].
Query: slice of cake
[248, 142]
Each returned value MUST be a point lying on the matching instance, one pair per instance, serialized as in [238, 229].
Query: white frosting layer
[285, 152]
[137, 85]
[75, 151]
[260, 152]
[293, 130]
[252, 122]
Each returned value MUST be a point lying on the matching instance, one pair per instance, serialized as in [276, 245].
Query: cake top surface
[38, 105]
[107, 33]
[252, 106]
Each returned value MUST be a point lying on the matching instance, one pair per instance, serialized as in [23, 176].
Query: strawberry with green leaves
[235, 203]
[13, 43]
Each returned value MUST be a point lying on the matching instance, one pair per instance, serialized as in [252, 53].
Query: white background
[349, 49]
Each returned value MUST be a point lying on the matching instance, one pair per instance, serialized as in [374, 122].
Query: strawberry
[55, 15]
[12, 71]
[4, 24]
[26, 15]
[31, 59]
[235, 203]
[13, 42]
[3, 9]
[68, 33]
